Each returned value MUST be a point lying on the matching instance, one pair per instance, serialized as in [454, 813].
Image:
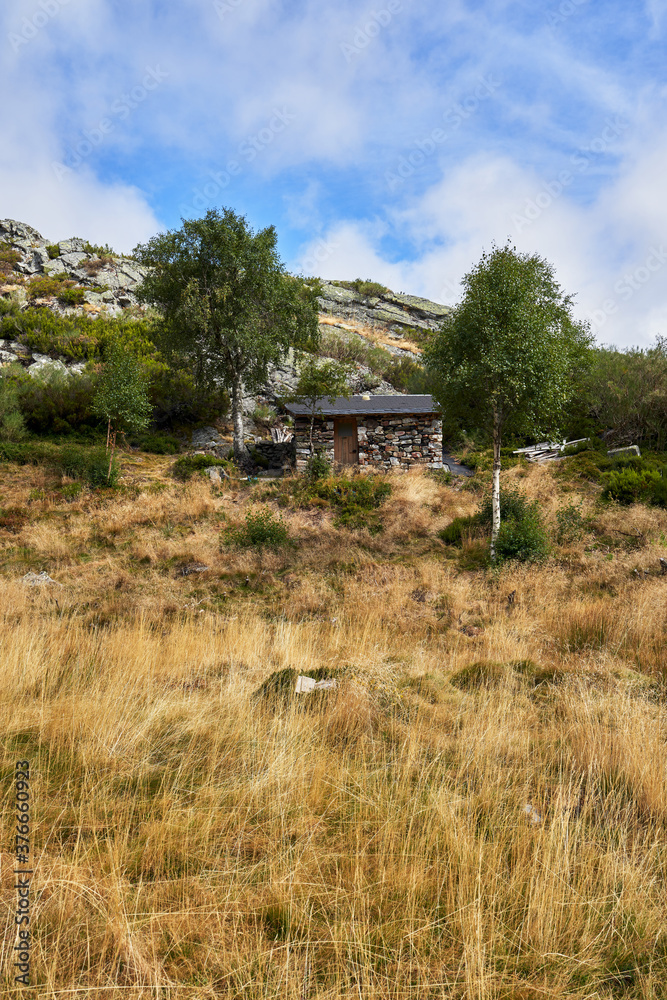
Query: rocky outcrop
[12, 352]
[108, 282]
[107, 285]
[395, 312]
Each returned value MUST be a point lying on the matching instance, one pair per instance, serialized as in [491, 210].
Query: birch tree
[506, 357]
[318, 380]
[121, 396]
[229, 308]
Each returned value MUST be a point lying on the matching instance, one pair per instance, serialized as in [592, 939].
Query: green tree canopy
[227, 302]
[507, 356]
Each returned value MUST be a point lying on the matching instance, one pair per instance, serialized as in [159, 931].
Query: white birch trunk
[495, 490]
[237, 417]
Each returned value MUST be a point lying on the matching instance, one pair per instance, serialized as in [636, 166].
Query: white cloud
[78, 205]
[619, 283]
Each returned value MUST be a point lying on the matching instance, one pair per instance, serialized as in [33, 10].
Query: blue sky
[392, 141]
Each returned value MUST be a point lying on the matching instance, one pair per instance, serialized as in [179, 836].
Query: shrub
[95, 251]
[45, 286]
[524, 539]
[71, 296]
[55, 402]
[12, 425]
[318, 466]
[53, 250]
[8, 258]
[178, 400]
[77, 336]
[521, 535]
[156, 444]
[70, 491]
[453, 533]
[632, 485]
[368, 287]
[88, 464]
[261, 529]
[184, 468]
[514, 505]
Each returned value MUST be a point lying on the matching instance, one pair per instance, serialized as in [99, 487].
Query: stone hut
[383, 432]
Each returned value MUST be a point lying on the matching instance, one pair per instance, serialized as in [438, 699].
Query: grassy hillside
[477, 811]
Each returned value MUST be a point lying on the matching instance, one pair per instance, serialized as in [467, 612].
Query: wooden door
[346, 447]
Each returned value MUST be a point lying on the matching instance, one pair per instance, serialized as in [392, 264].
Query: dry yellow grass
[192, 841]
[376, 335]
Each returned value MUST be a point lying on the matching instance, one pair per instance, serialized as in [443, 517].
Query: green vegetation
[522, 536]
[54, 402]
[318, 466]
[229, 308]
[186, 466]
[80, 462]
[355, 500]
[624, 478]
[260, 529]
[318, 380]
[97, 251]
[505, 358]
[121, 396]
[630, 485]
[401, 372]
[12, 424]
[53, 251]
[8, 258]
[368, 288]
[58, 285]
[77, 337]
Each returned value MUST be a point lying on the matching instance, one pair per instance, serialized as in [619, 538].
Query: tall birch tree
[506, 358]
[229, 308]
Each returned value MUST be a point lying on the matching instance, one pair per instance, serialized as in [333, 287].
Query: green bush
[45, 285]
[636, 485]
[12, 424]
[71, 296]
[184, 468]
[177, 400]
[55, 402]
[156, 444]
[521, 535]
[8, 258]
[524, 540]
[96, 251]
[87, 464]
[514, 505]
[318, 466]
[78, 337]
[368, 287]
[53, 250]
[261, 529]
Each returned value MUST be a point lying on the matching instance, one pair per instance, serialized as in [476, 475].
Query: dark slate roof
[361, 405]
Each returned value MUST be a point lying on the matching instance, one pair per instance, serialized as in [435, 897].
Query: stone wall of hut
[385, 441]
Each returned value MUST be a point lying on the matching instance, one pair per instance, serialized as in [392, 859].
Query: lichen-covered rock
[121, 275]
[388, 309]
